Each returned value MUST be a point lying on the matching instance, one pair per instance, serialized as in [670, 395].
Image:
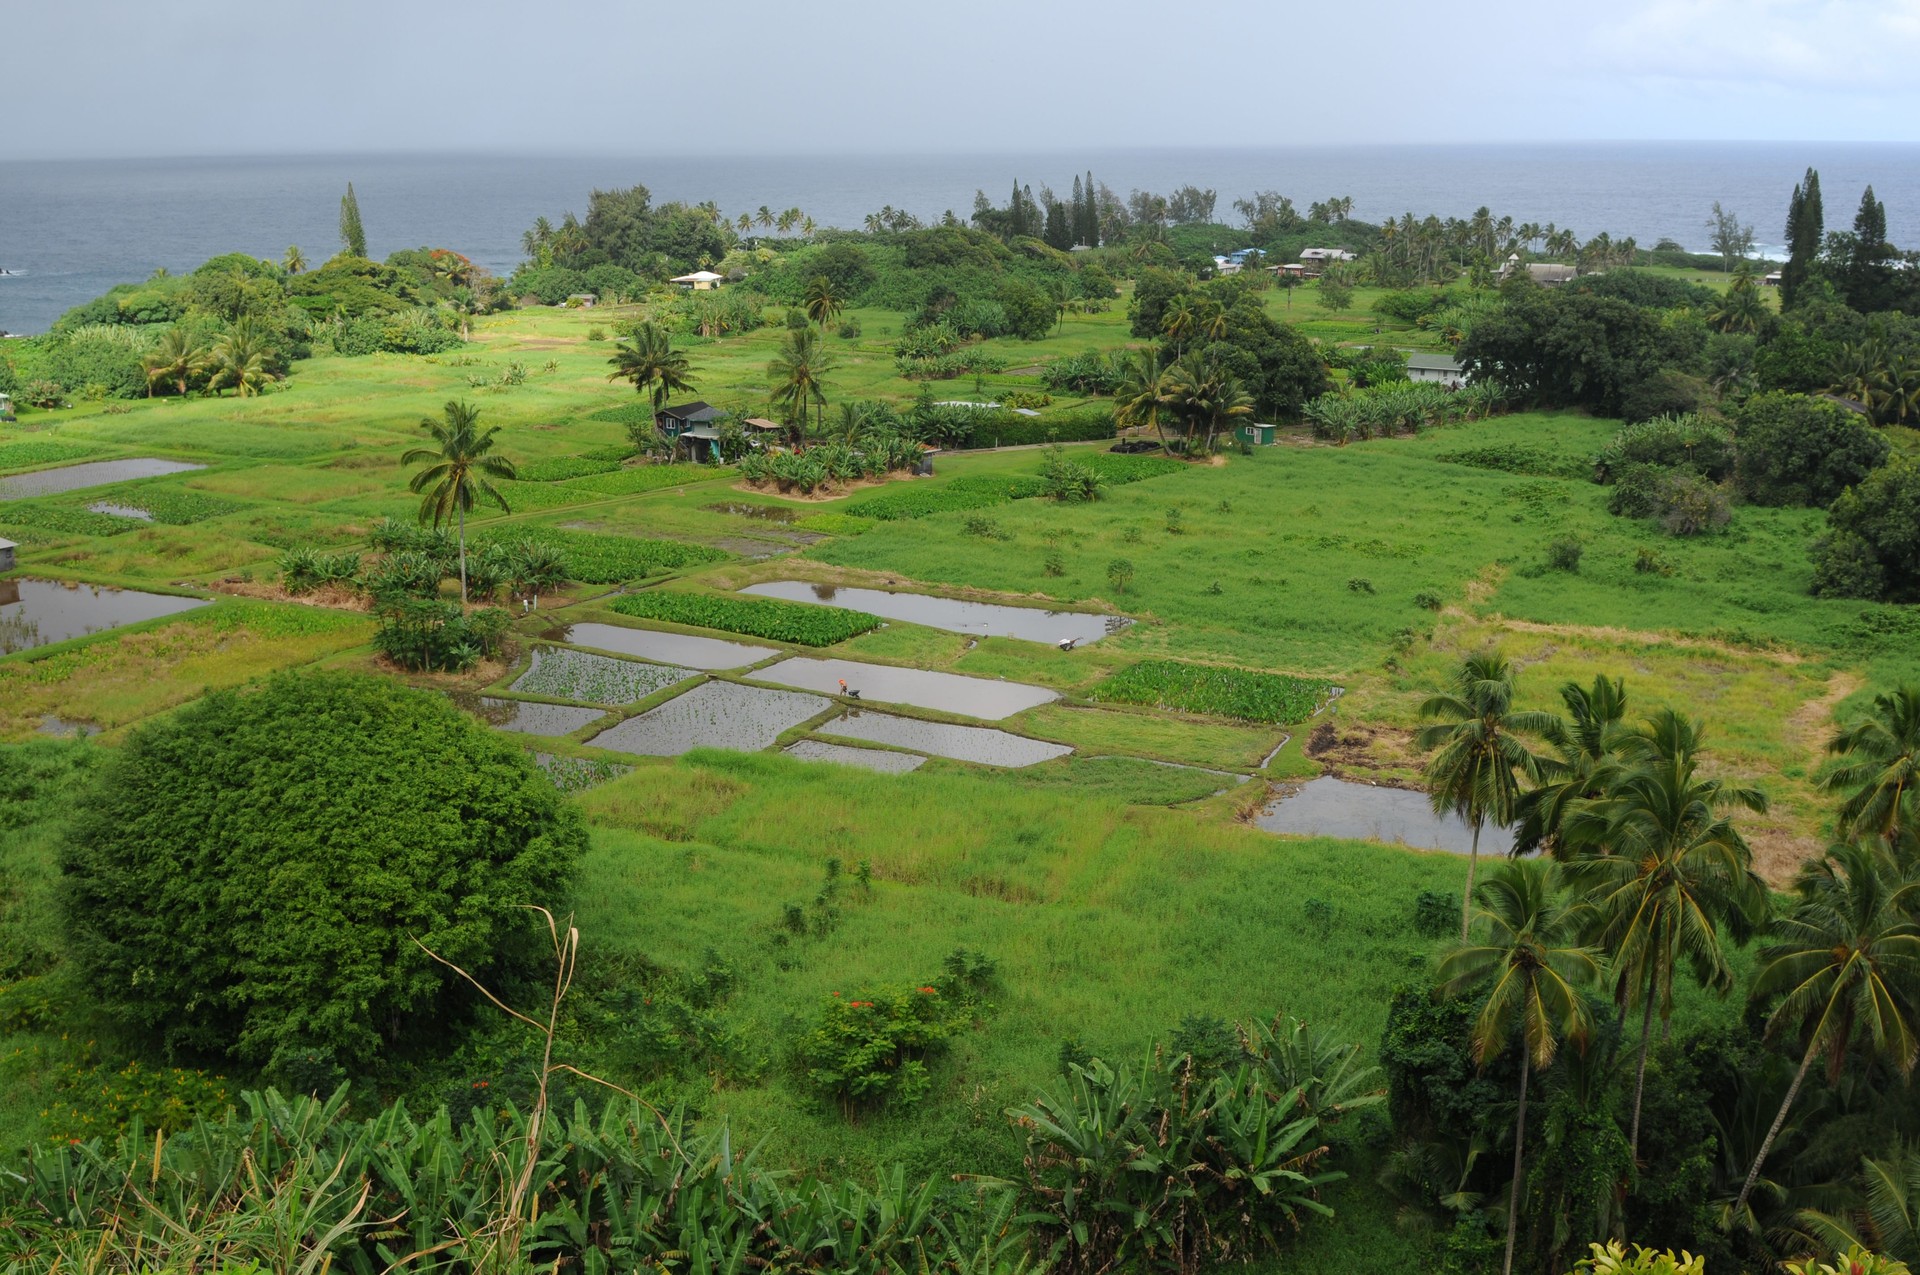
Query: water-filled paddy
[980, 744]
[1329, 807]
[716, 715]
[656, 644]
[525, 717]
[119, 511]
[981, 619]
[981, 697]
[36, 612]
[93, 473]
[596, 679]
[887, 763]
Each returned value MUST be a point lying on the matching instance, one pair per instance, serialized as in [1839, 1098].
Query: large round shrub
[247, 878]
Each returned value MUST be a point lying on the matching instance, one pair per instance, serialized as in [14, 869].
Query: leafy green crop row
[554, 469]
[65, 519]
[1119, 470]
[40, 451]
[599, 559]
[796, 622]
[917, 500]
[176, 506]
[1221, 692]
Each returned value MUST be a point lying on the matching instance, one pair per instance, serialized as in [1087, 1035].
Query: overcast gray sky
[94, 78]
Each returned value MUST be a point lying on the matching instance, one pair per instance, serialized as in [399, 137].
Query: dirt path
[1806, 729]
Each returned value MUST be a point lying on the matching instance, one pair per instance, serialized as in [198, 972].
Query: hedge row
[796, 622]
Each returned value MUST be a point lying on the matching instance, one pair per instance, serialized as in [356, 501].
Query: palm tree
[1742, 309]
[239, 358]
[1136, 398]
[1536, 970]
[1843, 961]
[1586, 764]
[457, 474]
[1674, 872]
[295, 262]
[797, 372]
[1202, 395]
[1475, 774]
[743, 223]
[179, 356]
[1180, 321]
[823, 305]
[765, 217]
[807, 227]
[646, 357]
[1882, 768]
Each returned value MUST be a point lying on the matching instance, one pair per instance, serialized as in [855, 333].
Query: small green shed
[1257, 434]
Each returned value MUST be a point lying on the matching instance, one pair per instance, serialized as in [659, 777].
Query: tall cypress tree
[353, 236]
[1806, 228]
[1093, 214]
[1866, 278]
[1078, 223]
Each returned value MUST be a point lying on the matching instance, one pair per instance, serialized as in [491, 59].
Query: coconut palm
[764, 217]
[1672, 873]
[1180, 321]
[295, 261]
[1476, 772]
[1536, 971]
[822, 302]
[1583, 767]
[797, 372]
[646, 357]
[1202, 397]
[1136, 397]
[240, 359]
[807, 227]
[1882, 769]
[1742, 309]
[458, 472]
[743, 223]
[1843, 962]
[177, 357]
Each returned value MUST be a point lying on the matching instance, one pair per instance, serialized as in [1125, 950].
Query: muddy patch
[1329, 807]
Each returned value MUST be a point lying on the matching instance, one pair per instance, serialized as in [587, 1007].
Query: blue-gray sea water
[71, 229]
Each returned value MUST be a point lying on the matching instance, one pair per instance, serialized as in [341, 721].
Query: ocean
[71, 229]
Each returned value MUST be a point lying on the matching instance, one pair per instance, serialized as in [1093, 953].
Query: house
[699, 280]
[760, 430]
[1324, 255]
[1443, 368]
[693, 426]
[1224, 266]
[582, 301]
[6, 554]
[1257, 434]
[1770, 280]
[6, 408]
[1291, 270]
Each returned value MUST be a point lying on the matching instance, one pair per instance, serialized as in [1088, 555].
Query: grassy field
[1118, 896]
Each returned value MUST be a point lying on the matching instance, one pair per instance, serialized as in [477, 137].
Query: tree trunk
[1780, 1118]
[1640, 1077]
[463, 558]
[1466, 902]
[1519, 1154]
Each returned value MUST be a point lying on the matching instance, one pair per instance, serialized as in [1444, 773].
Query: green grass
[601, 559]
[793, 622]
[30, 453]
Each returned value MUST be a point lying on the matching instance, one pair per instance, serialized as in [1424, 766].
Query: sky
[113, 78]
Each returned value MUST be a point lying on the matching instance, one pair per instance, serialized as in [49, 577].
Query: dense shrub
[247, 877]
[424, 634]
[796, 622]
[1205, 688]
[1796, 450]
[1690, 442]
[1872, 545]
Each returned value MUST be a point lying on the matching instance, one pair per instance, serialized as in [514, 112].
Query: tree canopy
[248, 877]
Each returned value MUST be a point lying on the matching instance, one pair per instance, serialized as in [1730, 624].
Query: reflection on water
[36, 612]
[564, 673]
[766, 513]
[715, 715]
[94, 473]
[979, 744]
[882, 760]
[1329, 807]
[119, 511]
[656, 644]
[950, 692]
[983, 619]
[523, 716]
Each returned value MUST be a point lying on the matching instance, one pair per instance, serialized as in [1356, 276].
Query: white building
[1441, 368]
